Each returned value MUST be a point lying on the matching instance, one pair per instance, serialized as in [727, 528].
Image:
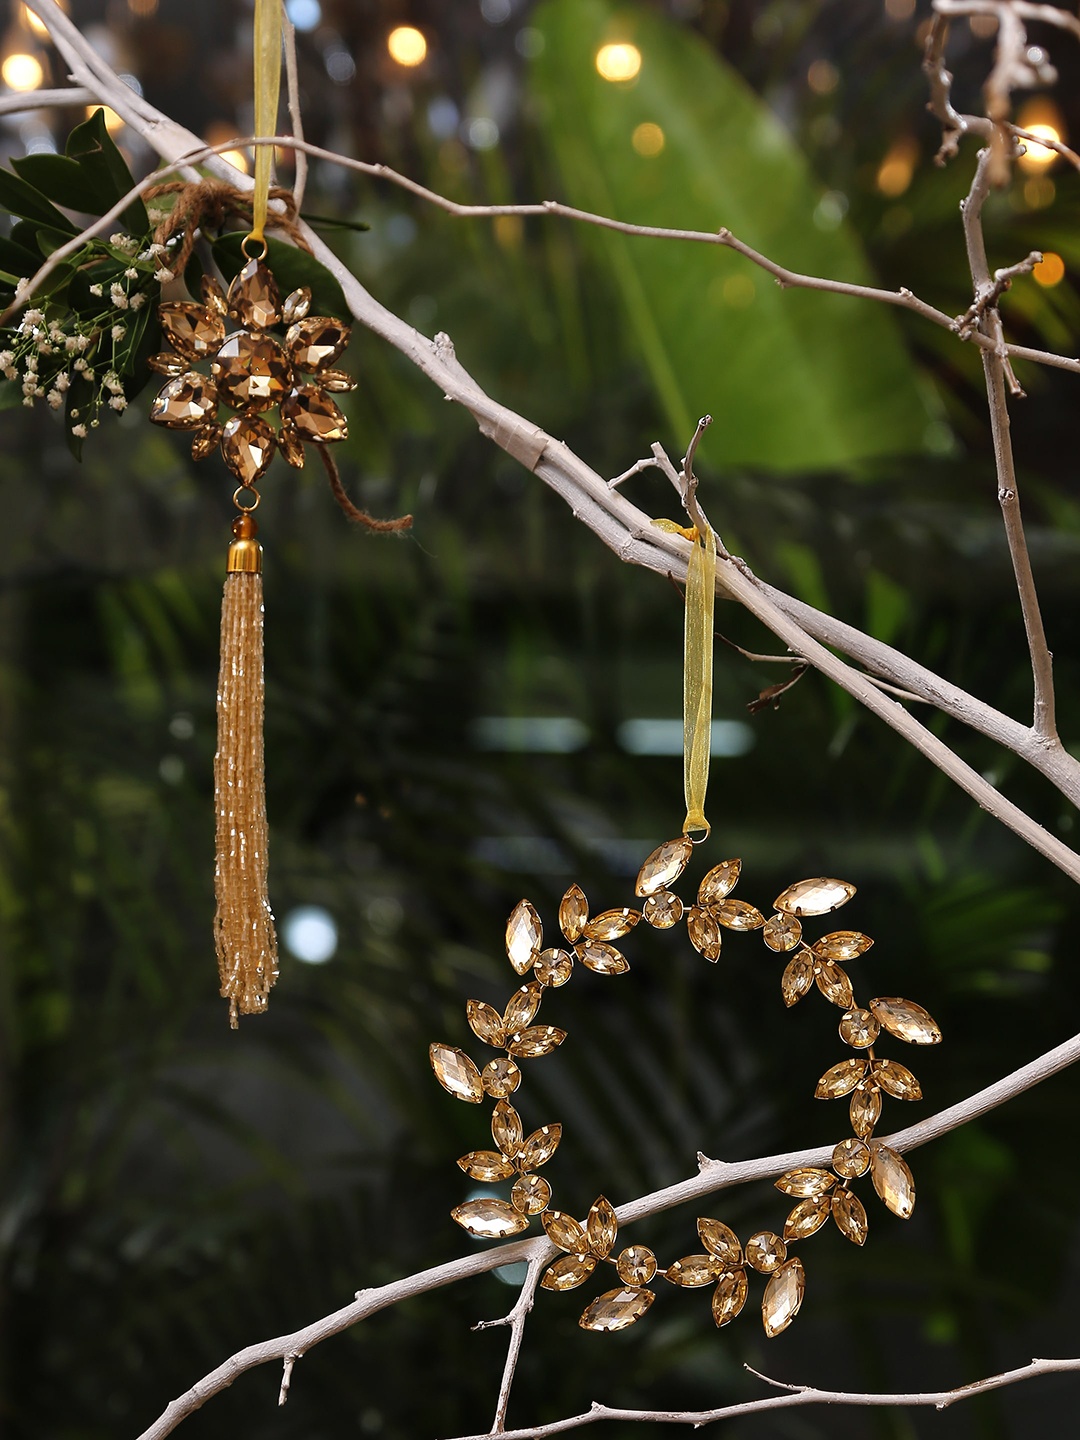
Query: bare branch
[286, 1375]
[44, 99]
[292, 81]
[516, 1320]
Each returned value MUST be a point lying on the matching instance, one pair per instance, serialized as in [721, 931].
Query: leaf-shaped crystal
[906, 1020]
[565, 1232]
[704, 932]
[187, 402]
[500, 1077]
[693, 1271]
[568, 1272]
[489, 1219]
[616, 1309]
[797, 978]
[850, 1215]
[205, 441]
[296, 306]
[865, 1109]
[524, 1004]
[538, 1149]
[851, 1158]
[612, 924]
[783, 1296]
[524, 936]
[662, 910]
[814, 897]
[247, 447]
[636, 1265]
[805, 1181]
[506, 1129]
[192, 330]
[738, 915]
[600, 958]
[729, 1297]
[719, 882]
[167, 363]
[553, 967]
[315, 343]
[213, 296]
[664, 865]
[573, 913]
[254, 298]
[488, 1166]
[842, 945]
[720, 1240]
[841, 1079]
[601, 1226]
[833, 983]
[781, 933]
[858, 1028]
[530, 1194]
[313, 416]
[485, 1022]
[807, 1217]
[892, 1179]
[456, 1073]
[765, 1251]
[897, 1080]
[535, 1041]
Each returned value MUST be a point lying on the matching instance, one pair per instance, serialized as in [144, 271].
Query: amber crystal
[783, 1296]
[720, 1240]
[806, 1181]
[833, 983]
[254, 298]
[530, 1194]
[897, 1080]
[851, 1158]
[296, 306]
[187, 402]
[500, 1077]
[616, 1309]
[807, 1217]
[839, 1080]
[247, 444]
[523, 1005]
[704, 932]
[291, 447]
[782, 932]
[573, 913]
[568, 1272]
[663, 910]
[601, 1226]
[797, 978]
[336, 382]
[487, 1166]
[205, 441]
[506, 1129]
[858, 1028]
[456, 1073]
[191, 330]
[719, 882]
[315, 344]
[535, 1041]
[693, 1271]
[842, 945]
[565, 1232]
[814, 897]
[524, 936]
[738, 915]
[553, 967]
[729, 1297]
[664, 865]
[485, 1022]
[765, 1250]
[168, 363]
[489, 1219]
[865, 1109]
[636, 1265]
[314, 416]
[251, 372]
[612, 924]
[850, 1215]
[892, 1179]
[213, 296]
[603, 959]
[538, 1149]
[906, 1020]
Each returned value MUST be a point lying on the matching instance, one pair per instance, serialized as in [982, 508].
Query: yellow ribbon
[267, 57]
[697, 677]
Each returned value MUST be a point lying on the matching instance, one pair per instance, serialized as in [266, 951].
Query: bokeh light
[647, 139]
[21, 71]
[406, 45]
[310, 933]
[1041, 117]
[618, 61]
[1050, 269]
[896, 169]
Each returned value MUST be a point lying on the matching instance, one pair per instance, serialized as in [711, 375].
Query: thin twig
[286, 1374]
[516, 1321]
[292, 81]
[45, 99]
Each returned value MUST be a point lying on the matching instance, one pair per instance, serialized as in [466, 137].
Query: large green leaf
[795, 380]
[91, 145]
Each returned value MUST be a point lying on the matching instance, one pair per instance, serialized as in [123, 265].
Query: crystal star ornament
[279, 386]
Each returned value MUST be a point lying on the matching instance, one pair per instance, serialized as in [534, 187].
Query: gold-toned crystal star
[251, 372]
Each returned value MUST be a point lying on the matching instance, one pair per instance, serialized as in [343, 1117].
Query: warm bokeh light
[647, 139]
[1037, 156]
[896, 169]
[113, 121]
[1050, 269]
[34, 22]
[1041, 117]
[22, 72]
[1039, 192]
[236, 158]
[823, 77]
[406, 45]
[618, 62]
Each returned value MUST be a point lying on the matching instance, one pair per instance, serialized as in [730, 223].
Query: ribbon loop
[267, 61]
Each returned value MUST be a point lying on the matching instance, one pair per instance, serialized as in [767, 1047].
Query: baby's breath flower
[55, 399]
[21, 287]
[118, 295]
[81, 342]
[118, 332]
[80, 366]
[131, 273]
[79, 431]
[6, 358]
[62, 381]
[138, 300]
[29, 400]
[118, 403]
[127, 243]
[10, 373]
[163, 276]
[96, 290]
[31, 319]
[112, 383]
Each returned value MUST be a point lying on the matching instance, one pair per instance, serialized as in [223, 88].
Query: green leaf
[292, 268]
[91, 145]
[10, 394]
[796, 380]
[19, 197]
[62, 180]
[334, 222]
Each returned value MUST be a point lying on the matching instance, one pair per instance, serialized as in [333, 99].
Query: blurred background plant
[490, 708]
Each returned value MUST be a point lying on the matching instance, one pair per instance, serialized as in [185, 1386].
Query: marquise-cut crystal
[247, 445]
[892, 1179]
[297, 304]
[704, 932]
[851, 1158]
[783, 1296]
[833, 983]
[489, 1219]
[858, 1028]
[719, 882]
[336, 382]
[865, 1109]
[291, 446]
[842, 945]
[187, 402]
[553, 967]
[814, 897]
[485, 1022]
[524, 935]
[664, 865]
[782, 932]
[190, 329]
[765, 1250]
[254, 298]
[693, 1271]
[506, 1129]
[841, 1079]
[897, 1080]
[500, 1077]
[663, 910]
[487, 1166]
[636, 1265]
[807, 1217]
[720, 1240]
[616, 1309]
[601, 1226]
[456, 1073]
[612, 924]
[797, 978]
[906, 1020]
[168, 363]
[738, 915]
[314, 416]
[568, 1272]
[850, 1215]
[314, 344]
[729, 1297]
[530, 1194]
[600, 958]
[565, 1232]
[523, 1005]
[251, 372]
[806, 1181]
[213, 296]
[573, 913]
[539, 1147]
[205, 441]
[535, 1041]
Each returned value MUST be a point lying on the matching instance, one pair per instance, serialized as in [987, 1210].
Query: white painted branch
[44, 99]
